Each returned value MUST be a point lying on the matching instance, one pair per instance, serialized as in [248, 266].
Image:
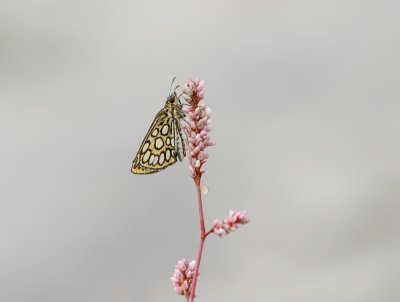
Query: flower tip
[230, 223]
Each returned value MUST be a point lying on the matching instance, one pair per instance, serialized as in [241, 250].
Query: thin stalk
[202, 239]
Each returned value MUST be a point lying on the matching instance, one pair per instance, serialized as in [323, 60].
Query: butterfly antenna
[173, 80]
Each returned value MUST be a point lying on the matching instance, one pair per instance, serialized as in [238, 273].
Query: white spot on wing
[164, 129]
[159, 143]
[145, 147]
[161, 160]
[168, 141]
[146, 156]
[172, 142]
[155, 160]
[155, 132]
[168, 155]
[151, 159]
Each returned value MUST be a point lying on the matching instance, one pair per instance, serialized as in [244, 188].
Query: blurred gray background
[305, 99]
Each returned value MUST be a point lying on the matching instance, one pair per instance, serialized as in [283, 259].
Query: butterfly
[163, 144]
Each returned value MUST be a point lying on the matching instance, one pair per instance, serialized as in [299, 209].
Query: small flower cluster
[230, 223]
[197, 128]
[183, 277]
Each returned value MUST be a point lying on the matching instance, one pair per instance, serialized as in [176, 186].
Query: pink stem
[202, 239]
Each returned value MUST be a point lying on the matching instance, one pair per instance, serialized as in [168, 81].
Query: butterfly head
[171, 98]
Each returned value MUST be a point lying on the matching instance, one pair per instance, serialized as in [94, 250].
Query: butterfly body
[163, 143]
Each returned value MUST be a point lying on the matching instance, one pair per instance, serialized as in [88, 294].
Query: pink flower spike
[182, 278]
[230, 223]
[198, 117]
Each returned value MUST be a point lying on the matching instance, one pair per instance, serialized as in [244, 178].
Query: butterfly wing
[179, 143]
[157, 150]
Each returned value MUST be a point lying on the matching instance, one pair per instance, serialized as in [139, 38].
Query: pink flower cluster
[183, 277]
[230, 223]
[197, 129]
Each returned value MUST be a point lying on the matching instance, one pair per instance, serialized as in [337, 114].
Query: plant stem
[202, 239]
